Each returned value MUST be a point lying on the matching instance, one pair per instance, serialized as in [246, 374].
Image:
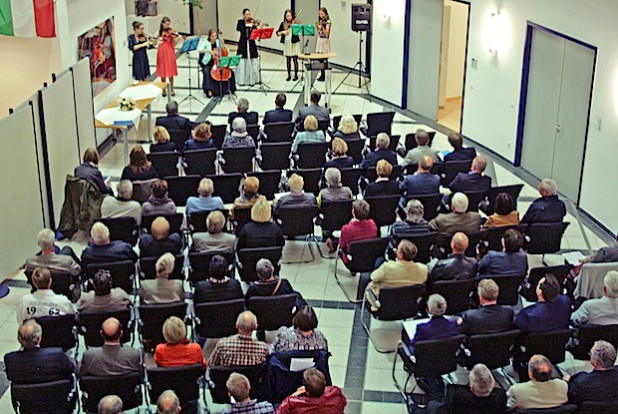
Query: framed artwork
[99, 44]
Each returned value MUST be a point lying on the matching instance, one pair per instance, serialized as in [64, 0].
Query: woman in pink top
[361, 227]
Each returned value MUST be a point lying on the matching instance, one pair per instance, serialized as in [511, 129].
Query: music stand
[190, 45]
[259, 34]
[303, 30]
[227, 62]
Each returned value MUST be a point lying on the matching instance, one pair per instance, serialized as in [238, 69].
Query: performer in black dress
[248, 69]
[139, 45]
[208, 49]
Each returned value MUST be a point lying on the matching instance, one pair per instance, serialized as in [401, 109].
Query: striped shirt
[238, 350]
[308, 137]
[251, 407]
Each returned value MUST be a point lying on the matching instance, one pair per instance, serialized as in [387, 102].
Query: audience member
[490, 317]
[438, 326]
[481, 397]
[459, 153]
[302, 335]
[601, 311]
[380, 153]
[239, 388]
[139, 167]
[422, 182]
[215, 239]
[202, 138]
[159, 240]
[159, 204]
[383, 185]
[314, 108]
[261, 231]
[309, 134]
[242, 111]
[240, 349]
[43, 301]
[504, 213]
[268, 284]
[604, 254]
[334, 190]
[238, 138]
[111, 359]
[110, 404]
[314, 397]
[457, 265]
[162, 142]
[205, 201]
[347, 128]
[248, 196]
[103, 297]
[474, 180]
[279, 114]
[296, 197]
[174, 122]
[102, 250]
[361, 227]
[122, 205]
[541, 391]
[177, 351]
[64, 260]
[548, 208]
[413, 224]
[511, 260]
[89, 170]
[168, 403]
[458, 219]
[415, 154]
[551, 312]
[162, 289]
[601, 384]
[340, 157]
[219, 286]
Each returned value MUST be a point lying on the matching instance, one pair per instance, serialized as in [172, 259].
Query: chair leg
[340, 284]
[317, 244]
[308, 244]
[368, 330]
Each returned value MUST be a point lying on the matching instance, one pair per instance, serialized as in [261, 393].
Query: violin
[217, 73]
[290, 23]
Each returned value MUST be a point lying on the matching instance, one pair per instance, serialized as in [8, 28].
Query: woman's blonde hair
[165, 265]
[160, 135]
[296, 183]
[310, 123]
[347, 124]
[340, 147]
[215, 222]
[202, 132]
[261, 211]
[174, 330]
[206, 187]
[384, 169]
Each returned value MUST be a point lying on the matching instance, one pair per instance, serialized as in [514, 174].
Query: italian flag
[27, 18]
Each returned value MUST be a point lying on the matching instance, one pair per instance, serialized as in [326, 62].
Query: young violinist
[139, 44]
[248, 70]
[210, 51]
[324, 26]
[166, 55]
[291, 43]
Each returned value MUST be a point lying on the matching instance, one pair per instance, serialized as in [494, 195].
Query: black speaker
[361, 17]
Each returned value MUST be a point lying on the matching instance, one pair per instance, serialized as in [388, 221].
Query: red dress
[166, 57]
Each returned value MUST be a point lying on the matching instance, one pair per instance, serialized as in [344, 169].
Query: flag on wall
[27, 18]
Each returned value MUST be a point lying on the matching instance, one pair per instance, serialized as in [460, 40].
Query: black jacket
[205, 291]
[175, 123]
[601, 386]
[462, 154]
[34, 366]
[382, 188]
[166, 147]
[487, 319]
[151, 247]
[470, 182]
[87, 171]
[454, 267]
[245, 33]
[277, 115]
[251, 118]
[295, 39]
[545, 210]
[255, 234]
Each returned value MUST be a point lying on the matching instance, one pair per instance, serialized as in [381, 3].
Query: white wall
[457, 48]
[174, 9]
[343, 40]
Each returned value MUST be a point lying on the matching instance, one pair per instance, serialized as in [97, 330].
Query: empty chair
[279, 131]
[269, 182]
[273, 312]
[457, 293]
[528, 290]
[148, 270]
[512, 190]
[544, 238]
[142, 190]
[350, 177]
[275, 156]
[248, 258]
[123, 228]
[298, 221]
[218, 134]
[335, 214]
[383, 209]
[492, 349]
[56, 397]
[311, 177]
[311, 155]
[379, 122]
[200, 162]
[588, 334]
[355, 149]
[179, 137]
[451, 169]
[199, 263]
[226, 186]
[122, 272]
[217, 319]
[89, 325]
[410, 141]
[185, 381]
[128, 387]
[242, 215]
[181, 188]
[238, 160]
[253, 131]
[151, 319]
[219, 376]
[58, 331]
[166, 163]
[509, 288]
[175, 221]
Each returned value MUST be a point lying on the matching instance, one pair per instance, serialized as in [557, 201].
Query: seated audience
[261, 231]
[334, 190]
[302, 335]
[296, 197]
[548, 208]
[242, 111]
[422, 182]
[64, 260]
[122, 205]
[33, 364]
[177, 351]
[541, 391]
[238, 138]
[551, 312]
[162, 141]
[361, 227]
[314, 397]
[159, 241]
[380, 153]
[458, 219]
[347, 128]
[103, 297]
[438, 326]
[215, 239]
[159, 204]
[139, 168]
[248, 196]
[504, 213]
[457, 265]
[89, 170]
[162, 289]
[383, 185]
[43, 301]
[601, 311]
[340, 157]
[205, 201]
[279, 114]
[240, 349]
[459, 153]
[511, 260]
[111, 359]
[481, 397]
[168, 403]
[110, 404]
[174, 122]
[474, 180]
[102, 250]
[413, 224]
[603, 255]
[239, 388]
[490, 317]
[202, 138]
[219, 286]
[601, 384]
[309, 134]
[415, 154]
[268, 284]
[314, 108]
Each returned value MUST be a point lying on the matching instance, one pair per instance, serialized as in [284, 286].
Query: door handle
[558, 129]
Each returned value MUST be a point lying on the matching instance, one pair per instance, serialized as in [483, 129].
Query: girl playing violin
[291, 43]
[324, 26]
[248, 70]
[138, 44]
[166, 55]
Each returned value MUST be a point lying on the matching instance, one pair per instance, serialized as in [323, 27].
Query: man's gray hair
[168, 403]
[99, 233]
[610, 282]
[333, 177]
[239, 125]
[29, 334]
[481, 380]
[415, 211]
[264, 269]
[246, 321]
[604, 354]
[238, 386]
[549, 186]
[459, 203]
[46, 239]
[382, 140]
[110, 404]
[243, 105]
[171, 108]
[125, 189]
[436, 304]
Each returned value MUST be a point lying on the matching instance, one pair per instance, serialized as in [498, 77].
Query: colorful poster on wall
[99, 45]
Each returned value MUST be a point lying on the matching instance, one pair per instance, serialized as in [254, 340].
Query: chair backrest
[355, 149]
[122, 272]
[200, 162]
[269, 182]
[89, 325]
[379, 122]
[152, 317]
[383, 209]
[323, 125]
[238, 160]
[365, 252]
[181, 188]
[563, 409]
[509, 286]
[512, 190]
[337, 119]
[58, 331]
[335, 214]
[175, 221]
[218, 319]
[253, 131]
[551, 344]
[436, 357]
[595, 407]
[430, 202]
[248, 258]
[147, 267]
[275, 156]
[491, 349]
[350, 178]
[128, 387]
[279, 131]
[142, 190]
[528, 290]
[197, 221]
[45, 398]
[227, 186]
[242, 215]
[588, 334]
[62, 282]
[200, 265]
[297, 221]
[400, 302]
[311, 177]
[392, 144]
[218, 134]
[166, 163]
[544, 238]
[272, 312]
[178, 137]
[183, 380]
[219, 376]
[456, 292]
[452, 168]
[410, 142]
[474, 198]
[311, 155]
[424, 245]
[493, 236]
[122, 228]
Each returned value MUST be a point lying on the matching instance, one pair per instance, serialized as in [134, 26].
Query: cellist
[210, 50]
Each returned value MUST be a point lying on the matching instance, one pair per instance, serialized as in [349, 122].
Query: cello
[217, 73]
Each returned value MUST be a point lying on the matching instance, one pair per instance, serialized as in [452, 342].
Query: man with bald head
[168, 403]
[474, 180]
[240, 349]
[541, 391]
[112, 358]
[110, 404]
[159, 241]
[457, 265]
[103, 250]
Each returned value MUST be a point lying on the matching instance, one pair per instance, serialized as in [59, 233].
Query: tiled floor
[363, 373]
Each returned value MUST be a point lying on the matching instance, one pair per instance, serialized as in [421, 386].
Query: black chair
[528, 289]
[392, 144]
[217, 319]
[457, 293]
[275, 156]
[512, 190]
[383, 209]
[585, 337]
[152, 318]
[227, 186]
[350, 178]
[443, 245]
[248, 258]
[62, 282]
[311, 177]
[451, 169]
[253, 131]
[175, 221]
[199, 263]
[89, 325]
[185, 381]
[273, 312]
[355, 149]
[56, 397]
[269, 182]
[474, 199]
[218, 134]
[550, 344]
[181, 188]
[197, 221]
[142, 190]
[242, 215]
[335, 214]
[122, 272]
[128, 387]
[563, 409]
[379, 122]
[238, 160]
[594, 407]
[410, 141]
[311, 155]
[147, 267]
[544, 238]
[279, 132]
[179, 137]
[492, 349]
[298, 221]
[424, 243]
[123, 228]
[337, 119]
[493, 236]
[166, 163]
[200, 162]
[431, 204]
[219, 375]
[394, 304]
[509, 285]
[323, 125]
[59, 331]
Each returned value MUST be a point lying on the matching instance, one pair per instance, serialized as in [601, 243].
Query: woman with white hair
[480, 397]
[297, 196]
[261, 231]
[238, 138]
[347, 128]
[334, 190]
[162, 289]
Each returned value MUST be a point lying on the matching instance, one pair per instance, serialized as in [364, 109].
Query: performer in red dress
[166, 55]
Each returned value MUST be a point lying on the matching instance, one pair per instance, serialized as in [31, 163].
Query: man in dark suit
[159, 241]
[218, 287]
[242, 111]
[602, 383]
[459, 153]
[490, 317]
[456, 265]
[173, 121]
[321, 113]
[33, 364]
[104, 250]
[551, 312]
[480, 397]
[548, 208]
[422, 182]
[380, 153]
[278, 114]
[474, 180]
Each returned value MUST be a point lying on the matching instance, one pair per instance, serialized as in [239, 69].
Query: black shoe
[321, 78]
[295, 78]
[289, 78]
